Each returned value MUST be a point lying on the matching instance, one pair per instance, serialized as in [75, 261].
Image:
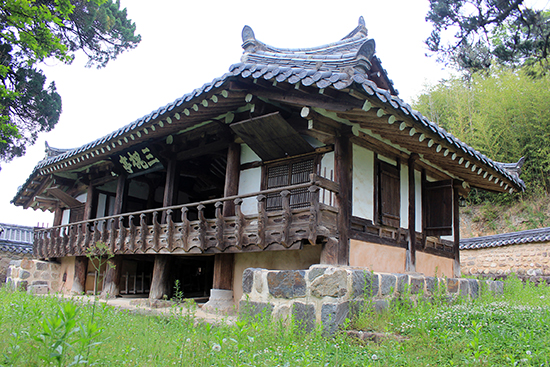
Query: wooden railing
[186, 228]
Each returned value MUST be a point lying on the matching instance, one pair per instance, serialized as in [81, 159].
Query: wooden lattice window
[286, 174]
[438, 208]
[389, 197]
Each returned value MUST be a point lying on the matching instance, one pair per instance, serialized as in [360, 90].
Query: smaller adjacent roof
[504, 239]
[16, 239]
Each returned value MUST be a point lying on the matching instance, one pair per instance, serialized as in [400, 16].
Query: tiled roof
[514, 238]
[15, 248]
[338, 65]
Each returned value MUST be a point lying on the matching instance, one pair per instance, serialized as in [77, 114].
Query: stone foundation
[34, 276]
[330, 294]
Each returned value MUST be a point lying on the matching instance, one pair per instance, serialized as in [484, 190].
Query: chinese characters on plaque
[138, 160]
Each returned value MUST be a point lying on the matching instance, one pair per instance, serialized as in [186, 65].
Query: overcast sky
[188, 43]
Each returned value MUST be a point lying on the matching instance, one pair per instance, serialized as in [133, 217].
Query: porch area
[286, 217]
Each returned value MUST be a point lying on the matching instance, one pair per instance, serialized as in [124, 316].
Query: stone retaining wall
[531, 259]
[5, 258]
[330, 294]
[35, 276]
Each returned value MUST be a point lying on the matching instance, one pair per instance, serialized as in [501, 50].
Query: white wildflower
[216, 347]
[374, 357]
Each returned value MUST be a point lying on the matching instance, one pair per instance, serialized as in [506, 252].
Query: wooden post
[112, 278]
[170, 189]
[412, 214]
[456, 232]
[121, 191]
[80, 270]
[342, 173]
[160, 286]
[58, 216]
[91, 198]
[223, 272]
[232, 173]
[287, 218]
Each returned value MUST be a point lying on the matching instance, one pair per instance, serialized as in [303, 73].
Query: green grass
[508, 330]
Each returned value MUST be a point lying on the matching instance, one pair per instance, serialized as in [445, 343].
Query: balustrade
[142, 232]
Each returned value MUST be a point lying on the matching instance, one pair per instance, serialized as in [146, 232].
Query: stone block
[27, 264]
[388, 284]
[417, 285]
[282, 312]
[41, 265]
[364, 283]
[38, 289]
[248, 280]
[402, 282]
[452, 285]
[24, 274]
[497, 287]
[258, 282]
[15, 263]
[333, 315]
[253, 309]
[330, 284]
[287, 283]
[431, 284]
[21, 285]
[474, 288]
[316, 271]
[464, 287]
[381, 305]
[304, 315]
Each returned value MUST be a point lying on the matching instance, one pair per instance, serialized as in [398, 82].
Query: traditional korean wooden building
[294, 157]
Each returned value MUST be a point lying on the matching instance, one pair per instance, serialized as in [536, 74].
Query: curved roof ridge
[503, 239]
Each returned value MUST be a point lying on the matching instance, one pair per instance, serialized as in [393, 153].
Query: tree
[503, 114]
[32, 31]
[505, 31]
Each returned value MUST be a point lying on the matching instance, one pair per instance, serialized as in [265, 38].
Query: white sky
[188, 43]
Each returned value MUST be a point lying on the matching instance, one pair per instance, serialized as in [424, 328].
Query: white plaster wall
[249, 180]
[327, 171]
[82, 197]
[404, 192]
[418, 200]
[363, 183]
[66, 216]
[101, 201]
[248, 155]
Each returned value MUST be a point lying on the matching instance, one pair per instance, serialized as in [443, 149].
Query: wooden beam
[223, 271]
[37, 192]
[292, 96]
[202, 150]
[88, 208]
[64, 197]
[170, 189]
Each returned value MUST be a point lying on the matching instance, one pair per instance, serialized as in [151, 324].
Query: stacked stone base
[35, 276]
[328, 295]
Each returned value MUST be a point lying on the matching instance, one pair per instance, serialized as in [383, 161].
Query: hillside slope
[489, 219]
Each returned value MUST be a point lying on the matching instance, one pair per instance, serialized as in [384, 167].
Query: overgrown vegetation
[507, 330]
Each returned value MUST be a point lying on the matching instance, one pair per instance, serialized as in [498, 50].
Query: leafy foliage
[506, 31]
[32, 31]
[503, 114]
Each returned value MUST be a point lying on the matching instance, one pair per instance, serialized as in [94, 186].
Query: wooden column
[112, 278]
[456, 232]
[224, 263]
[58, 216]
[91, 198]
[160, 286]
[121, 191]
[412, 213]
[80, 270]
[343, 176]
[170, 189]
